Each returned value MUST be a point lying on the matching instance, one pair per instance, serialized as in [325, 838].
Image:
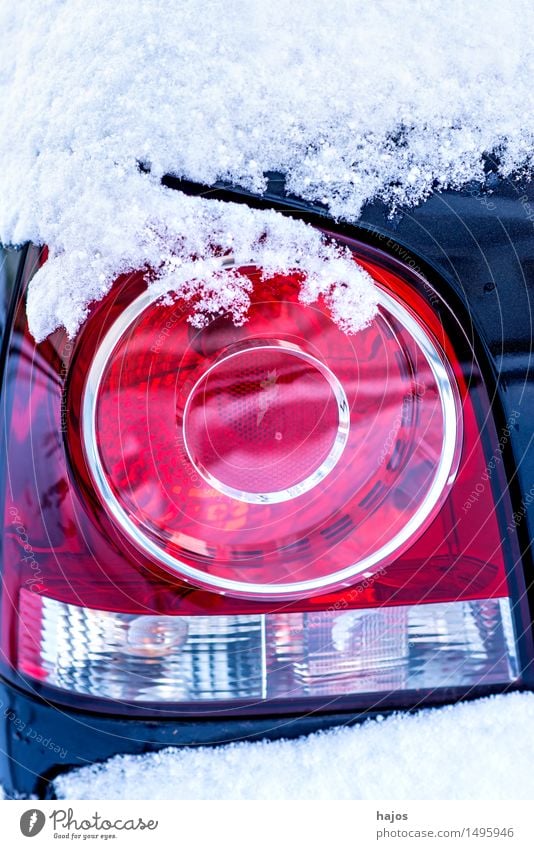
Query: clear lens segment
[181, 659]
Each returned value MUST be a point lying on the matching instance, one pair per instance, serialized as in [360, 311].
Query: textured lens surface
[259, 657]
[280, 457]
[266, 424]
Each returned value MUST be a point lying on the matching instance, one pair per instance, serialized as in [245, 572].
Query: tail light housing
[273, 517]
[276, 460]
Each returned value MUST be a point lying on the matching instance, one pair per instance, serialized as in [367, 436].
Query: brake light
[219, 451]
[253, 515]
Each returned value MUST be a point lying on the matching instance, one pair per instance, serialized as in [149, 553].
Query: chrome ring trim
[444, 475]
[330, 461]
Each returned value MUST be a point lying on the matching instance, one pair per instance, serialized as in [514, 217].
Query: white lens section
[180, 659]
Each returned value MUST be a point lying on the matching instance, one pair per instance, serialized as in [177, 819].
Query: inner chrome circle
[266, 424]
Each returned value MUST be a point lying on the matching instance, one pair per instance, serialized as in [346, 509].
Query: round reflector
[276, 459]
[266, 423]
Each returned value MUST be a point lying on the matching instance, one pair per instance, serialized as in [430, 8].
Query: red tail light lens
[221, 450]
[265, 423]
[254, 516]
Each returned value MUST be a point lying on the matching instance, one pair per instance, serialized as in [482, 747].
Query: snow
[351, 100]
[475, 750]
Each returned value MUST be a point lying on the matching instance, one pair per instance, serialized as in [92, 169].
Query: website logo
[32, 822]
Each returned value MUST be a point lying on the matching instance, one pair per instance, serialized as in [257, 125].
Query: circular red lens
[266, 423]
[276, 459]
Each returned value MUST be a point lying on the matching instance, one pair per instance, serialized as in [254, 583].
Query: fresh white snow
[477, 750]
[351, 100]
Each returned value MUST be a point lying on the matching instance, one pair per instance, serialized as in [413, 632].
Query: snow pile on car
[351, 101]
[480, 750]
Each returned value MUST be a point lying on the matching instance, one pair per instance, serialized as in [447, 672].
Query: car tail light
[261, 518]
[222, 451]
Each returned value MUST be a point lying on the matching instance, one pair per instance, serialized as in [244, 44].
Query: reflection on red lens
[265, 423]
[276, 459]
